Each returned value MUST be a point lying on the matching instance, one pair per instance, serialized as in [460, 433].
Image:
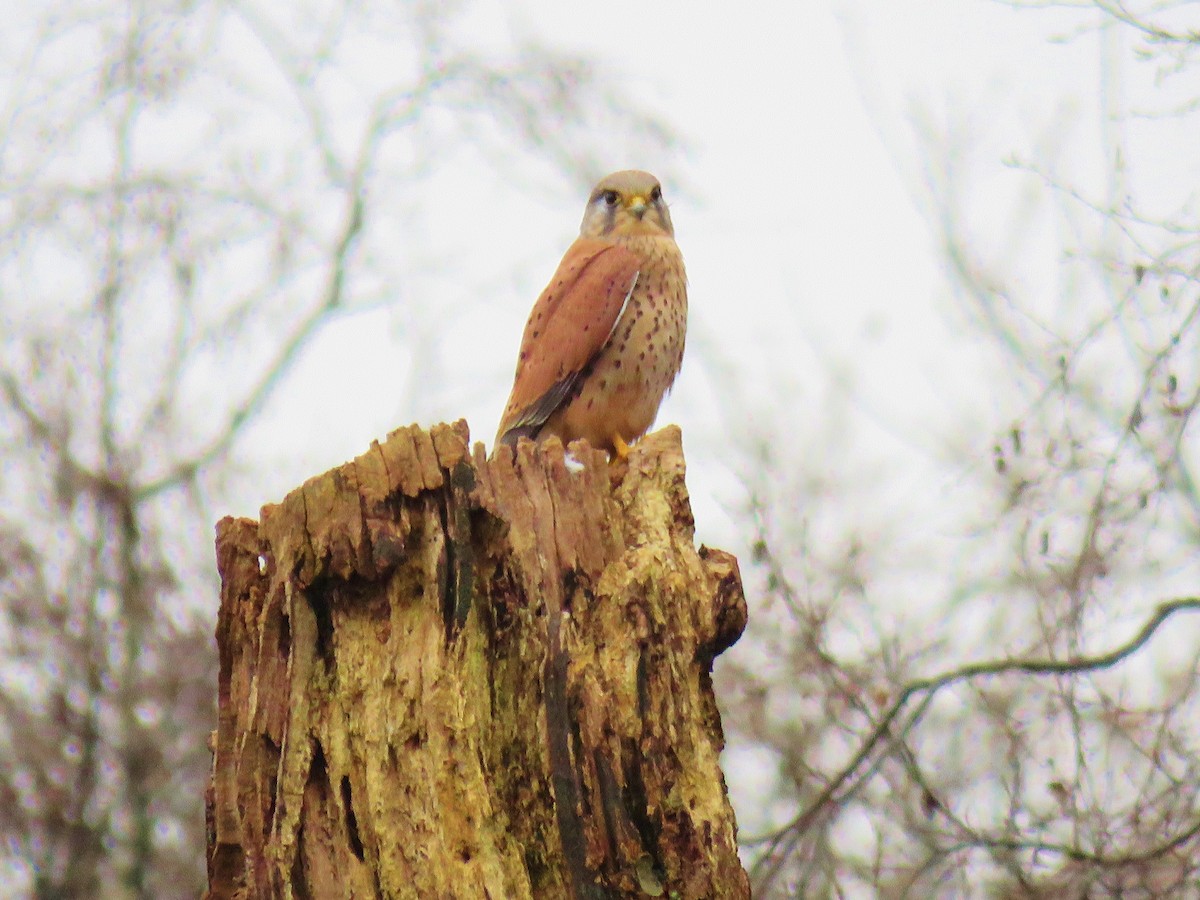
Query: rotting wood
[448, 676]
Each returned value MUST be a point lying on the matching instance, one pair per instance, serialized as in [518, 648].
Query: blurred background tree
[990, 689]
[189, 192]
[956, 436]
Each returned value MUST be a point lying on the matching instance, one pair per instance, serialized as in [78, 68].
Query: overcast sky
[800, 210]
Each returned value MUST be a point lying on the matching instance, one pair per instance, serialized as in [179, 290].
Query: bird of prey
[604, 341]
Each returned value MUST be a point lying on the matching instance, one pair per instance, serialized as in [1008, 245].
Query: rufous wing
[569, 325]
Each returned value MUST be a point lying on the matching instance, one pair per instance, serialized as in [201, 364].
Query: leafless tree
[1029, 729]
[189, 192]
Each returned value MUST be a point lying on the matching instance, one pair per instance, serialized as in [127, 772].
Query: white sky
[805, 248]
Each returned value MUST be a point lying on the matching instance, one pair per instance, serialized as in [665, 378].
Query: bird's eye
[611, 197]
[656, 194]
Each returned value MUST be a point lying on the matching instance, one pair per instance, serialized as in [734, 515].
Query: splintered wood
[453, 677]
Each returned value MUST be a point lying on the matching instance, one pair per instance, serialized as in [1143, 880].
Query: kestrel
[604, 341]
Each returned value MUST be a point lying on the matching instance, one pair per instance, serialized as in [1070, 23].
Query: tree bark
[443, 676]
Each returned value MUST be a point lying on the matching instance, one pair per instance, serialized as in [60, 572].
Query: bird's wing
[568, 326]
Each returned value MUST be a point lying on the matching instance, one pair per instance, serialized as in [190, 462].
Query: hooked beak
[637, 206]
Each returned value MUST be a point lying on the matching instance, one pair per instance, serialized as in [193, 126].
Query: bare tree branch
[781, 842]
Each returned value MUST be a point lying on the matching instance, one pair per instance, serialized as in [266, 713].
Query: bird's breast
[637, 365]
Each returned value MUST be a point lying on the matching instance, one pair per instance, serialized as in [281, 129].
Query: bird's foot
[620, 449]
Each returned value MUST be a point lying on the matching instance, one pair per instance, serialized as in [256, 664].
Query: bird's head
[626, 203]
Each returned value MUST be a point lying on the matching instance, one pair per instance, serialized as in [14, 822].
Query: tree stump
[444, 676]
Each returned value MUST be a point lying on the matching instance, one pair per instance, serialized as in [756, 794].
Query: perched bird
[604, 341]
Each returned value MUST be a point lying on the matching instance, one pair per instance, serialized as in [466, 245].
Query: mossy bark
[447, 676]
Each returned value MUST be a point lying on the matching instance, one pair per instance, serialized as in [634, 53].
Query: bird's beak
[637, 206]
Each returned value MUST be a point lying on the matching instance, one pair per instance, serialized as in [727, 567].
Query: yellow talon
[621, 448]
